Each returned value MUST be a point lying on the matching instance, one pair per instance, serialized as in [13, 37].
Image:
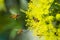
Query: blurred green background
[11, 17]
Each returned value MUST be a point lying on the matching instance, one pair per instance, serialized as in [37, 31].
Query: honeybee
[35, 19]
[19, 31]
[14, 16]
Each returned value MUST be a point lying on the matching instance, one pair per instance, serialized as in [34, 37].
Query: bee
[19, 31]
[12, 7]
[14, 16]
[35, 19]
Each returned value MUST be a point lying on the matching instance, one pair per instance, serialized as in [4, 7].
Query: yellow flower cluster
[39, 21]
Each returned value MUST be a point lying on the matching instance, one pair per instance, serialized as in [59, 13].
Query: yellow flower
[38, 14]
[58, 17]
